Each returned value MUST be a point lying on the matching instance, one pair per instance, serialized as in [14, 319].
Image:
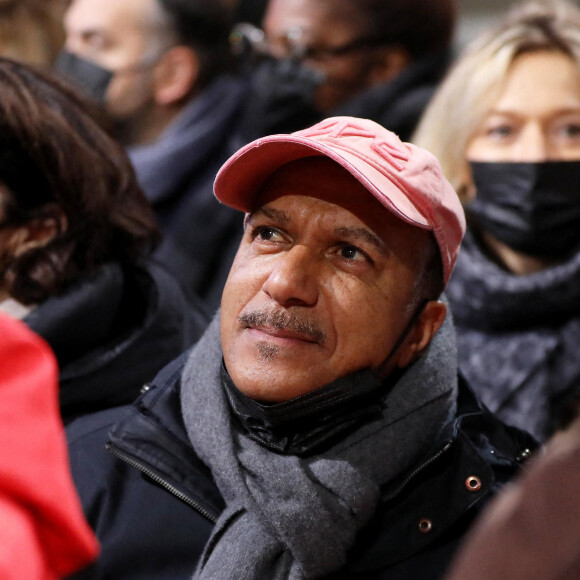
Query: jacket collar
[83, 316]
[101, 327]
[303, 425]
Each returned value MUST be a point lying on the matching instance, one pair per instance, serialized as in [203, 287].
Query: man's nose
[293, 280]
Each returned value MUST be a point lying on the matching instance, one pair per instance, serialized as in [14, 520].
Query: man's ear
[389, 62]
[38, 231]
[421, 334]
[175, 75]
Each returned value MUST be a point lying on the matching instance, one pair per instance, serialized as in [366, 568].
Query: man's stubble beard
[267, 352]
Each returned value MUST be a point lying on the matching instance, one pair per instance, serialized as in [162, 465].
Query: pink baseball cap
[406, 179]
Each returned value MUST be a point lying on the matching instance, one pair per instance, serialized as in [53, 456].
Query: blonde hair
[475, 82]
[31, 31]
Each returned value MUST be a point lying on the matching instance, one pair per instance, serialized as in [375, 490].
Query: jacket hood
[113, 331]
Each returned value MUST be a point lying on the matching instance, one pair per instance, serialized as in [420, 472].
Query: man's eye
[266, 234]
[353, 254]
[93, 41]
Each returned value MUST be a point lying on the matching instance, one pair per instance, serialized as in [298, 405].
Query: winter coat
[517, 337]
[43, 534]
[532, 530]
[150, 496]
[113, 331]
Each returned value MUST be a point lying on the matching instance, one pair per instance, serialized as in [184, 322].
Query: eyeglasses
[247, 38]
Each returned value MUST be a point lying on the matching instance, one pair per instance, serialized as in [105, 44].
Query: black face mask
[281, 98]
[531, 207]
[89, 77]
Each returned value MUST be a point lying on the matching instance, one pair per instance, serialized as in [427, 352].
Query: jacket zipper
[160, 481]
[416, 472]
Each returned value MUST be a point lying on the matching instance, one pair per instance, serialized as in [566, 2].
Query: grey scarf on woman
[291, 517]
[518, 336]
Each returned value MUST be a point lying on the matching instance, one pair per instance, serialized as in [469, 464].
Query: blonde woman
[506, 126]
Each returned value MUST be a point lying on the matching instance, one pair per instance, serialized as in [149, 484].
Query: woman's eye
[571, 130]
[500, 131]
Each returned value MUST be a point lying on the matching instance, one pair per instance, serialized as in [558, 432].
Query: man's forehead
[320, 178]
[111, 17]
[310, 18]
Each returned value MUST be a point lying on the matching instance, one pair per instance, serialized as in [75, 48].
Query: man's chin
[267, 352]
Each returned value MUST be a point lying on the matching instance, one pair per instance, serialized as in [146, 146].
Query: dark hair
[430, 282]
[420, 26]
[203, 25]
[56, 161]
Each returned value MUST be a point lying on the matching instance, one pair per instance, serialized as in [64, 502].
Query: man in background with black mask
[160, 69]
[375, 59]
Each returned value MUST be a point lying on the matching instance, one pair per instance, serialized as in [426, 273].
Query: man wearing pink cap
[318, 429]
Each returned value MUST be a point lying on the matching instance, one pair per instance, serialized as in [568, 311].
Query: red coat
[43, 533]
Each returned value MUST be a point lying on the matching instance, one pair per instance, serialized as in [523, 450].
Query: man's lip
[283, 333]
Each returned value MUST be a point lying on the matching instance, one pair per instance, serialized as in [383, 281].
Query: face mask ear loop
[380, 372]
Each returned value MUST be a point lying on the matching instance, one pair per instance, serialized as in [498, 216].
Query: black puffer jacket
[152, 502]
[114, 331]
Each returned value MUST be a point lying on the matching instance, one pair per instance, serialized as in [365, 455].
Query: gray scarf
[486, 297]
[526, 329]
[290, 517]
[189, 143]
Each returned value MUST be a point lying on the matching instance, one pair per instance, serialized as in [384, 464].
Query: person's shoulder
[488, 435]
[87, 438]
[94, 467]
[97, 426]
[94, 425]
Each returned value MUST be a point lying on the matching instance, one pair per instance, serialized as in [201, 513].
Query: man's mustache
[282, 320]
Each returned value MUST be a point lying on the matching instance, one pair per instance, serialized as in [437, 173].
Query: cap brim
[241, 178]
